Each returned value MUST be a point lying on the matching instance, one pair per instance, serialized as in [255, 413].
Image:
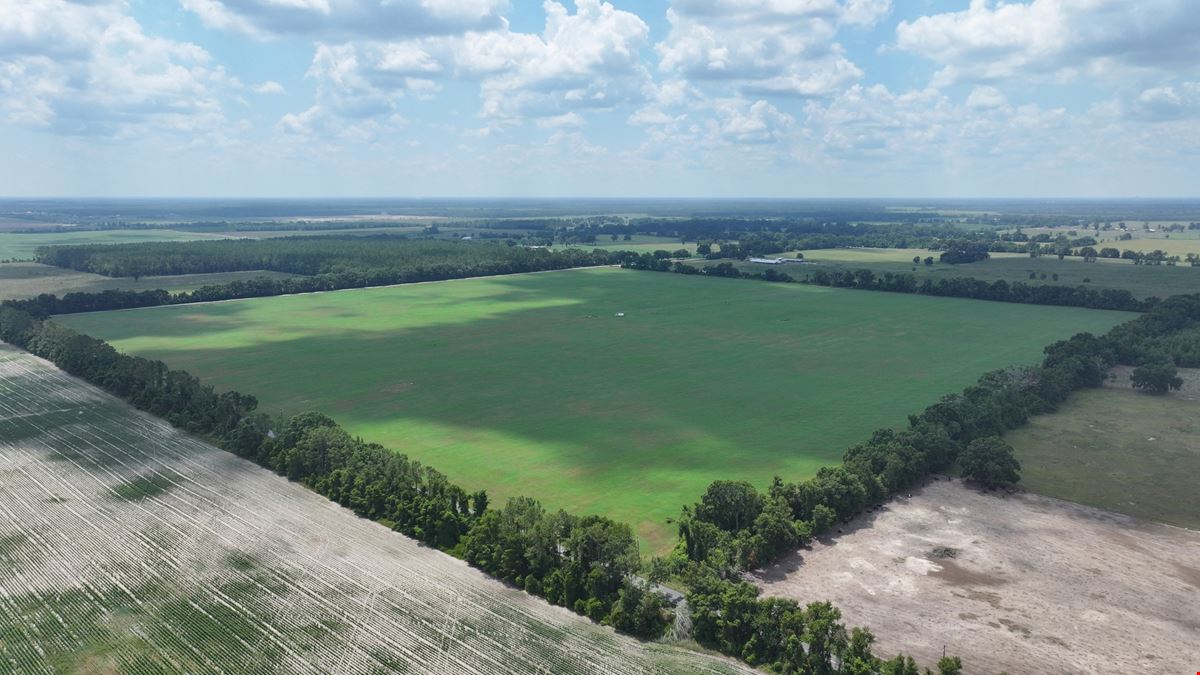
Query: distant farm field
[533, 385]
[1119, 449]
[1142, 281]
[21, 245]
[29, 279]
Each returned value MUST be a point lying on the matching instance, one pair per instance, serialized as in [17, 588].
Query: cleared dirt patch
[1034, 585]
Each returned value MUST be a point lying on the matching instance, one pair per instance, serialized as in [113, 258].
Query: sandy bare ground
[126, 546]
[1032, 584]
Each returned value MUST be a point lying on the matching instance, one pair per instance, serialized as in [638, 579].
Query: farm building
[767, 261]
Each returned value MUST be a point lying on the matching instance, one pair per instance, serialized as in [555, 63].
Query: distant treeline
[336, 263]
[362, 261]
[865, 279]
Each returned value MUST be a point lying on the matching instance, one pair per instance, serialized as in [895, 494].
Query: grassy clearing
[21, 246]
[638, 243]
[28, 279]
[236, 570]
[1119, 449]
[531, 385]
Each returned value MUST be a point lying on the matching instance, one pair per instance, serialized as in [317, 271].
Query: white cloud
[564, 121]
[984, 97]
[270, 87]
[1171, 102]
[1056, 39]
[335, 19]
[89, 68]
[765, 47]
[587, 60]
[758, 122]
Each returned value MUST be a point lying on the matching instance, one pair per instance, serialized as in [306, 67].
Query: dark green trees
[1156, 374]
[990, 461]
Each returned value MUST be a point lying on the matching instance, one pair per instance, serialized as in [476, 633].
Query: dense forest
[368, 260]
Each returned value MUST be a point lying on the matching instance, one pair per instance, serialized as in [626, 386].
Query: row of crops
[128, 547]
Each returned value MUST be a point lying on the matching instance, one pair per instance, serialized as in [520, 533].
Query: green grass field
[21, 246]
[532, 385]
[28, 279]
[1119, 449]
[638, 243]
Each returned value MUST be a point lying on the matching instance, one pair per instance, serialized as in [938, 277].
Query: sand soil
[1020, 583]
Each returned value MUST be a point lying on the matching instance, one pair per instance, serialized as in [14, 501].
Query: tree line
[335, 263]
[958, 287]
[344, 260]
[583, 563]
[734, 528]
[588, 564]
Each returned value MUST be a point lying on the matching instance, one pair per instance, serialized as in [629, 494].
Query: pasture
[22, 245]
[1119, 449]
[532, 385]
[638, 243]
[29, 279]
[129, 547]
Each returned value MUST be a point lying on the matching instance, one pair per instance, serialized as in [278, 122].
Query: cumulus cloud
[984, 97]
[332, 19]
[758, 122]
[1057, 39]
[926, 126]
[89, 68]
[765, 47]
[270, 87]
[1172, 102]
[586, 60]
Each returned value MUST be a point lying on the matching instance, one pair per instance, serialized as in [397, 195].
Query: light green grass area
[21, 246]
[1119, 449]
[856, 255]
[27, 280]
[533, 385]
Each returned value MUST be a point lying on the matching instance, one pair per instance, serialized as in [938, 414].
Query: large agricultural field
[128, 547]
[1142, 281]
[1119, 449]
[1020, 584]
[533, 384]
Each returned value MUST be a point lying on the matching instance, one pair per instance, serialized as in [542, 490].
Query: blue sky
[783, 98]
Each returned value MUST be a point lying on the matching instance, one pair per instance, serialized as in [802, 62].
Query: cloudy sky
[789, 98]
